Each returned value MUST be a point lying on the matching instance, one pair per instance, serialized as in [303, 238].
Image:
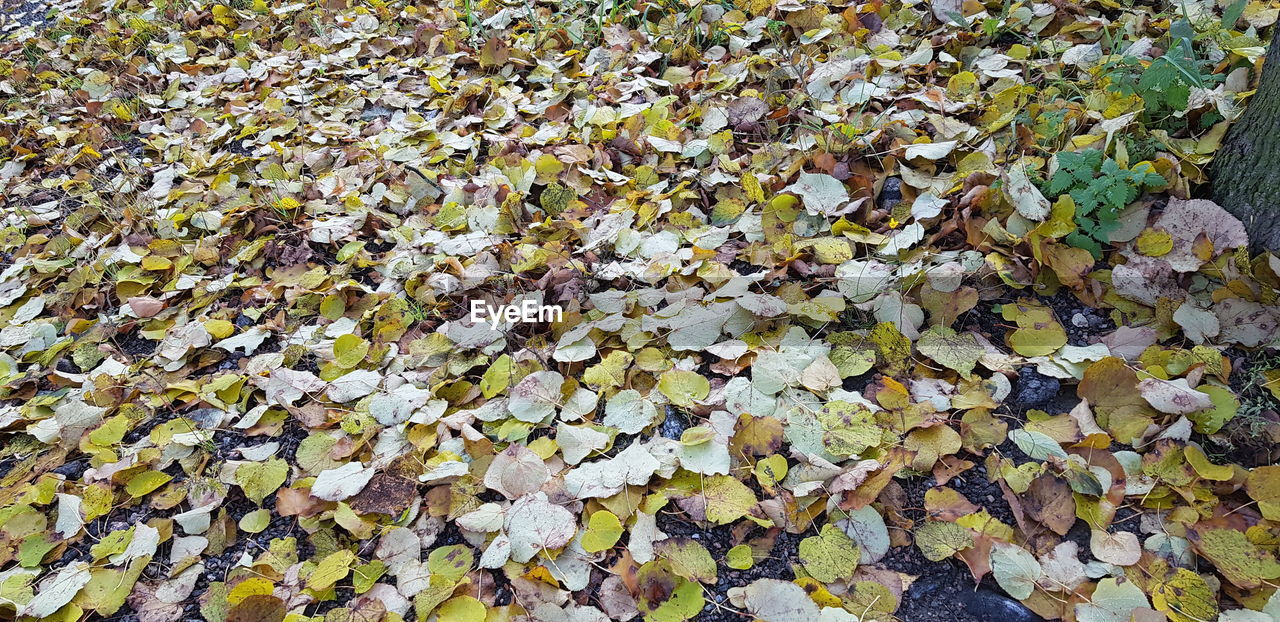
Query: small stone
[71, 470]
[674, 424]
[890, 193]
[1035, 388]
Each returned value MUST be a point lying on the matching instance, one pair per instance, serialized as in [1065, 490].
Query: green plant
[420, 312]
[585, 21]
[1050, 127]
[1140, 147]
[1164, 83]
[1100, 188]
[1002, 24]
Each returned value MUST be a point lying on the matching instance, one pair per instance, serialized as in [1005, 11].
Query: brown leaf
[895, 460]
[385, 494]
[1049, 501]
[947, 504]
[257, 608]
[978, 556]
[949, 467]
[294, 502]
[145, 306]
[755, 436]
[946, 307]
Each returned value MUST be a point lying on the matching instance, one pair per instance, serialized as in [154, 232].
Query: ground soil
[1248, 439]
[718, 541]
[1084, 325]
[15, 14]
[946, 590]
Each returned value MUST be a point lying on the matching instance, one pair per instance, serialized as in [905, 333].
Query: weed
[1165, 83]
[1101, 189]
[419, 312]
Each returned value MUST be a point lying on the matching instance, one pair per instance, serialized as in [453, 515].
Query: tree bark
[1245, 174]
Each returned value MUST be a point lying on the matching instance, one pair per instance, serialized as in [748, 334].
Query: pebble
[988, 605]
[1035, 388]
[71, 470]
[674, 424]
[890, 193]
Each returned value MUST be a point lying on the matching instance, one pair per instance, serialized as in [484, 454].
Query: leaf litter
[866, 312]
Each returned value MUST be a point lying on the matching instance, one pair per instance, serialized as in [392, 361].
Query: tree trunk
[1246, 171]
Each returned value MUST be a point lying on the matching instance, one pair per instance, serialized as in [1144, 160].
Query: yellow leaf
[461, 609]
[146, 482]
[829, 556]
[1238, 559]
[938, 540]
[740, 557]
[332, 569]
[1264, 486]
[1204, 468]
[1154, 242]
[497, 377]
[219, 329]
[832, 250]
[1038, 333]
[253, 586]
[770, 471]
[603, 531]
[1185, 597]
[349, 350]
[683, 388]
[122, 112]
[751, 186]
[155, 262]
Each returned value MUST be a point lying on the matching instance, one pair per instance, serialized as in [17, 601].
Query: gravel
[18, 15]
